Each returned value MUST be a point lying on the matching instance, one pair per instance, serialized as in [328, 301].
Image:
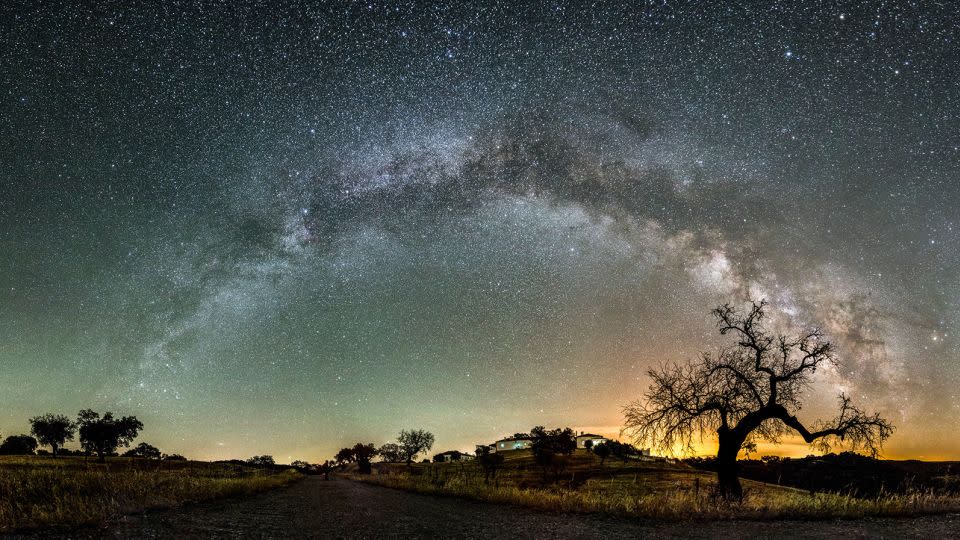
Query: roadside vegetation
[40, 491]
[617, 478]
[94, 484]
[649, 489]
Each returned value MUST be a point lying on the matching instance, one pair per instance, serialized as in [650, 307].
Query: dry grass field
[42, 491]
[650, 489]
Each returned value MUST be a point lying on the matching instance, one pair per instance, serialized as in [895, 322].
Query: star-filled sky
[280, 228]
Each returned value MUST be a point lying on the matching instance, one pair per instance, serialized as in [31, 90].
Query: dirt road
[314, 508]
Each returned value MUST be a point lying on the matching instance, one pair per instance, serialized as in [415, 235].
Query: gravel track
[338, 508]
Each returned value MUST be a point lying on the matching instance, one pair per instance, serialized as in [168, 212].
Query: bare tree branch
[751, 391]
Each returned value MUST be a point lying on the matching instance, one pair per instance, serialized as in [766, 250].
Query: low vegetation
[40, 491]
[648, 489]
[848, 472]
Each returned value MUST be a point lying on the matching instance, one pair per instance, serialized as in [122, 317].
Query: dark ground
[848, 472]
[314, 508]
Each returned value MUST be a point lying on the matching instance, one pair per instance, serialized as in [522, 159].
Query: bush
[261, 461]
[18, 445]
[144, 450]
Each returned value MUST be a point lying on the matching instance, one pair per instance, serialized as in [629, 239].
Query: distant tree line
[100, 435]
[261, 461]
[409, 446]
[551, 449]
[616, 449]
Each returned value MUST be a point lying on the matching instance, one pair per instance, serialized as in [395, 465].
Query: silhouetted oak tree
[363, 453]
[551, 448]
[489, 461]
[414, 442]
[622, 451]
[391, 453]
[325, 468]
[22, 445]
[52, 430]
[144, 450]
[747, 392]
[344, 456]
[103, 435]
[265, 460]
[602, 451]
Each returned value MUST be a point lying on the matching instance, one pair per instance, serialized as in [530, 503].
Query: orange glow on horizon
[792, 447]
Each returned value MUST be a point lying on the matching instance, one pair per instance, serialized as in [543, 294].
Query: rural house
[507, 444]
[523, 442]
[513, 443]
[451, 455]
[594, 440]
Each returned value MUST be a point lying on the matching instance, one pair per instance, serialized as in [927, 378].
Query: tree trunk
[54, 447]
[728, 482]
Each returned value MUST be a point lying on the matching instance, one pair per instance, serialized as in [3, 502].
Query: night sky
[272, 228]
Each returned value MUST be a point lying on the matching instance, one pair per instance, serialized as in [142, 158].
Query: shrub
[18, 445]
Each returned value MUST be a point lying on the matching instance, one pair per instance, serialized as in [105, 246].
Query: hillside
[583, 472]
[648, 489]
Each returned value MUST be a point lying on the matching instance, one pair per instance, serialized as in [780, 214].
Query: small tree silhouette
[265, 460]
[52, 430]
[144, 450]
[363, 453]
[602, 451]
[746, 392]
[391, 453]
[551, 448]
[489, 461]
[414, 442]
[103, 435]
[22, 445]
[325, 468]
[344, 456]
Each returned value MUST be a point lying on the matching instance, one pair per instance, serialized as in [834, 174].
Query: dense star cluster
[276, 227]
